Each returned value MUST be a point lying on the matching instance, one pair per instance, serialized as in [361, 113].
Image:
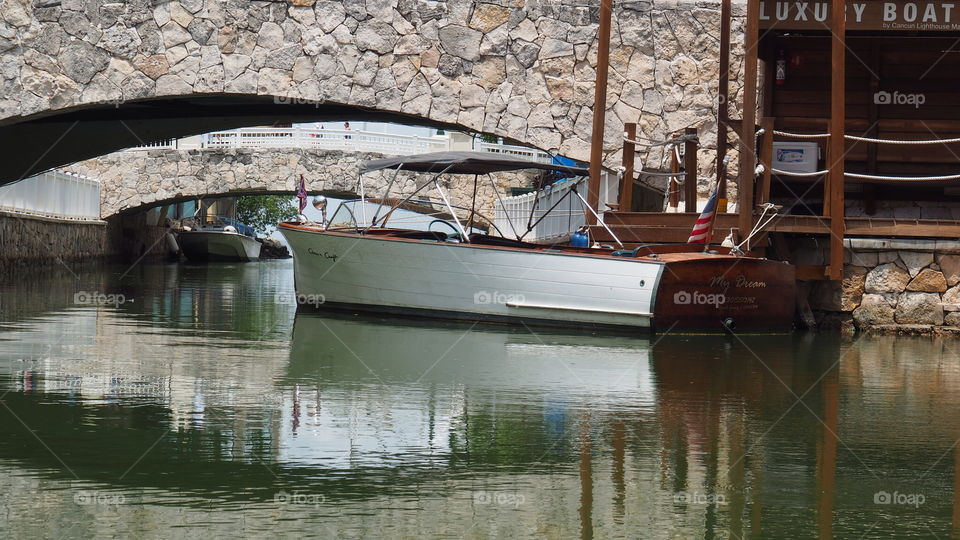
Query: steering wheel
[456, 231]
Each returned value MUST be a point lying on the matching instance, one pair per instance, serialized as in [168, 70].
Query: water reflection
[207, 393]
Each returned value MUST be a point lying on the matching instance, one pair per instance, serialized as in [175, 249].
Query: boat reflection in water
[366, 427]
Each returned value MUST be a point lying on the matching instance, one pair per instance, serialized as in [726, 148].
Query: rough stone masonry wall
[30, 242]
[141, 179]
[523, 69]
[908, 290]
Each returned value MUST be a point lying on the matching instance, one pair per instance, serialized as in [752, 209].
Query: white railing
[53, 194]
[512, 216]
[559, 223]
[336, 139]
[513, 151]
[164, 144]
[325, 139]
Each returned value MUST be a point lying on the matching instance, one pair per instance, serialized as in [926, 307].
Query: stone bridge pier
[137, 180]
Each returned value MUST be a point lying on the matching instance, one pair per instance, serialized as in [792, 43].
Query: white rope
[802, 135]
[795, 173]
[866, 139]
[862, 176]
[903, 178]
[651, 142]
[908, 142]
[758, 227]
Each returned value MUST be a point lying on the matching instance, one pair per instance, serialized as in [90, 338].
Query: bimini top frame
[475, 163]
[465, 163]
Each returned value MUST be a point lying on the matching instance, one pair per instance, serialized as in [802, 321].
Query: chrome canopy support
[597, 216]
[443, 195]
[410, 196]
[503, 208]
[386, 195]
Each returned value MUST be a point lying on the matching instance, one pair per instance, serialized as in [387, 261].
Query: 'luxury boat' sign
[899, 15]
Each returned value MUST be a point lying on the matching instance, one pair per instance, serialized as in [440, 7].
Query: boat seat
[487, 240]
[422, 235]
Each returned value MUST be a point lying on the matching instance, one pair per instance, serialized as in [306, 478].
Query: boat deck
[642, 227]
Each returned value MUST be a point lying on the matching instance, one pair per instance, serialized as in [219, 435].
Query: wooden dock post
[748, 157]
[599, 109]
[766, 159]
[629, 155]
[838, 117]
[690, 170]
[723, 95]
[674, 183]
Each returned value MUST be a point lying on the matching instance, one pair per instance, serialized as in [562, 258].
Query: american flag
[703, 228]
[302, 194]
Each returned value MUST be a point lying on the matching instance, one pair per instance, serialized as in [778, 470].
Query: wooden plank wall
[890, 63]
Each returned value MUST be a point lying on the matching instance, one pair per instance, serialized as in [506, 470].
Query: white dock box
[796, 156]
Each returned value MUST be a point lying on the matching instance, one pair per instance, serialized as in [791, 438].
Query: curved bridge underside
[43, 143]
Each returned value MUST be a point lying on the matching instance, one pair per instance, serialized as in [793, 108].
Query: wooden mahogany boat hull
[418, 277]
[699, 293]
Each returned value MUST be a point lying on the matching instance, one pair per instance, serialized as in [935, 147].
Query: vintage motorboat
[218, 238]
[365, 265]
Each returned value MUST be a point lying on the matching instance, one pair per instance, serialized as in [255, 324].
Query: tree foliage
[262, 212]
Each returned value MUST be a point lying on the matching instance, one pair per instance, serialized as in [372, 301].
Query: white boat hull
[218, 246]
[470, 282]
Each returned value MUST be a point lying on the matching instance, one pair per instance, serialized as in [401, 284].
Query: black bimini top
[465, 163]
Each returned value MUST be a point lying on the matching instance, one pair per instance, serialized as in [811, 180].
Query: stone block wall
[912, 288]
[30, 242]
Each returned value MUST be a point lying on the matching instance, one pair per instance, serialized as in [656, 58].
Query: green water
[196, 402]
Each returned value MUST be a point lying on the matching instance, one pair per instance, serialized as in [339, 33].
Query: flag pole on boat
[599, 108]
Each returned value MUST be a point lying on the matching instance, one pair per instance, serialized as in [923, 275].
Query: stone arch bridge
[82, 78]
[134, 181]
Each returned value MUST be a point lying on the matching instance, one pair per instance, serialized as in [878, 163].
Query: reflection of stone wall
[29, 242]
[913, 289]
[135, 179]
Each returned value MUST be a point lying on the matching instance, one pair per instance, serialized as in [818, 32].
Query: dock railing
[53, 194]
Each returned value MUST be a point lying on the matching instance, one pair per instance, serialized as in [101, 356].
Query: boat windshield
[413, 214]
[464, 222]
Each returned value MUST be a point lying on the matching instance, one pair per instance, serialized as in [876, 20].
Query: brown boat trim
[592, 253]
